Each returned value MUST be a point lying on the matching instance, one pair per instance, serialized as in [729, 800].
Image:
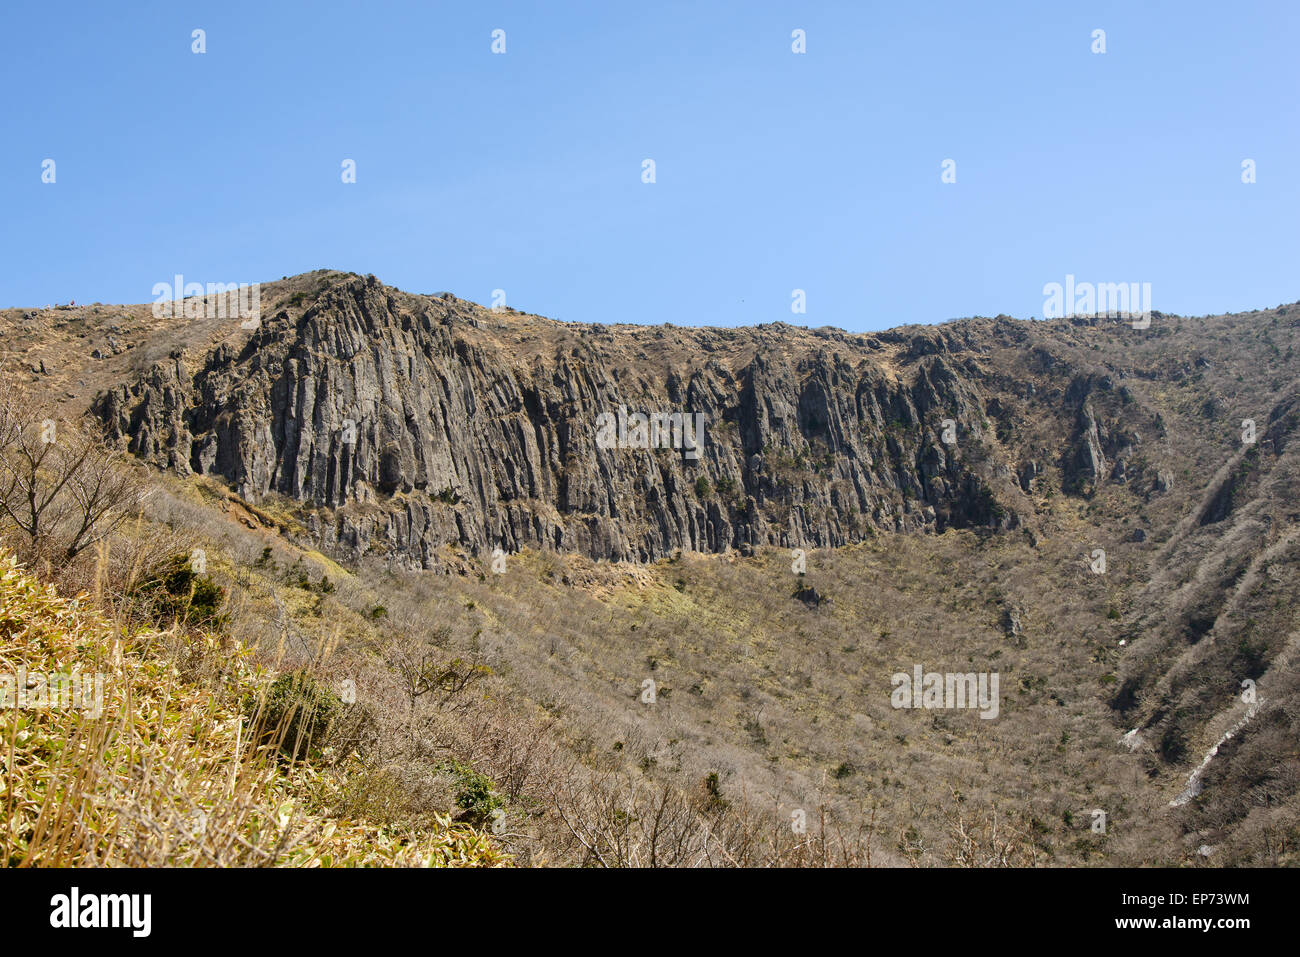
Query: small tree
[62, 487]
[422, 670]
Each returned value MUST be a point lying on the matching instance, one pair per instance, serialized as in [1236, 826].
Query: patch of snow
[1194, 782]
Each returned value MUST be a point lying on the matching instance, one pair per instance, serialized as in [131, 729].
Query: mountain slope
[1099, 530]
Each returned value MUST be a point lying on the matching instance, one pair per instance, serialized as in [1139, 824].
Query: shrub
[475, 792]
[711, 790]
[296, 712]
[174, 592]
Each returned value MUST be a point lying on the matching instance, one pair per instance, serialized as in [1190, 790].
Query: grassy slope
[166, 775]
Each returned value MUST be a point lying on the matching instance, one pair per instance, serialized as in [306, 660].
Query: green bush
[474, 792]
[175, 592]
[295, 714]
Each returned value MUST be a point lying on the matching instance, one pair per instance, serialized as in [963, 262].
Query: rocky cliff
[413, 421]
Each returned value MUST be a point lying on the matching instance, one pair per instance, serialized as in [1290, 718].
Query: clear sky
[774, 170]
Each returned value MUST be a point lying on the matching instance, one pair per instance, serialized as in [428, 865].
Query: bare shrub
[63, 489]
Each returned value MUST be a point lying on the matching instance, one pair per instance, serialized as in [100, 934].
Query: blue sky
[775, 171]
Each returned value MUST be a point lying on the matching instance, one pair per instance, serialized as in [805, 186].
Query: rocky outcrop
[410, 422]
[1100, 448]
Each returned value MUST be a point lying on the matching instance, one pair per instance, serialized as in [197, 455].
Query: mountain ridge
[807, 467]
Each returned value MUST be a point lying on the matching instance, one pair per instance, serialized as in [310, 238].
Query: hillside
[1077, 506]
[114, 757]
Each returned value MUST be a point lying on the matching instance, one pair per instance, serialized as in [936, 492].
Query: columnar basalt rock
[410, 422]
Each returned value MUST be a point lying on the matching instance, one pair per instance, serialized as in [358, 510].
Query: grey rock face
[1011, 622]
[1029, 473]
[412, 422]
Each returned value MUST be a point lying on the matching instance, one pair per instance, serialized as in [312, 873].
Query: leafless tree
[420, 665]
[62, 487]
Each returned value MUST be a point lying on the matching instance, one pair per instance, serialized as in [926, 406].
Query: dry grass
[170, 772]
